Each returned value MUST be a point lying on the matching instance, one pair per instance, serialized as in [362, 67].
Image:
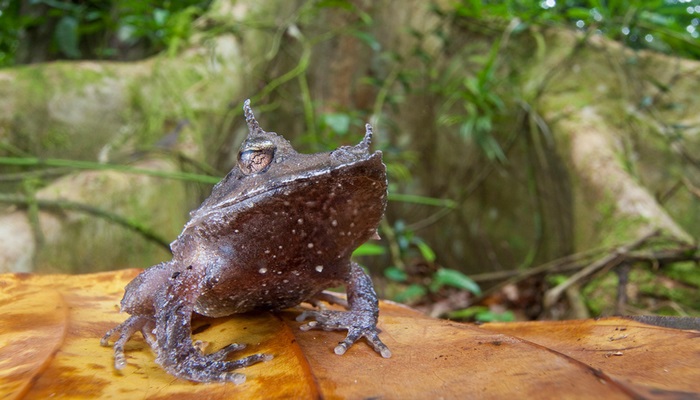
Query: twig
[89, 165]
[45, 173]
[683, 253]
[623, 274]
[60, 205]
[394, 249]
[578, 309]
[573, 261]
[613, 259]
[691, 188]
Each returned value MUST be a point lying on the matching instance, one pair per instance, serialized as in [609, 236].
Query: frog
[277, 231]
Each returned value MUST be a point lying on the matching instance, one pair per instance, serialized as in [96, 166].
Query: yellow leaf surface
[50, 328]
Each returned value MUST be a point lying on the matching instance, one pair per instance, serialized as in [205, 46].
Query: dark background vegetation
[483, 229]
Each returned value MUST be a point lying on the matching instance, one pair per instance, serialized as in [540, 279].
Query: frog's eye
[254, 157]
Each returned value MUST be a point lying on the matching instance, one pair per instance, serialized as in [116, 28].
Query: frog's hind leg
[360, 320]
[124, 332]
[173, 336]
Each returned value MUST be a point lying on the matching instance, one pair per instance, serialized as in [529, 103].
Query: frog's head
[268, 167]
[261, 149]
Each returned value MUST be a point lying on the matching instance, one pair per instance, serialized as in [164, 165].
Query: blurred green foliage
[10, 26]
[481, 314]
[669, 26]
[96, 29]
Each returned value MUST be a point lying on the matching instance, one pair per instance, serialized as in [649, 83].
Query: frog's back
[287, 246]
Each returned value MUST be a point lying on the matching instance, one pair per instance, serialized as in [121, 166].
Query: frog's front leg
[361, 318]
[175, 351]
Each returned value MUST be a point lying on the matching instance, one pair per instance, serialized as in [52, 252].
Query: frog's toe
[370, 335]
[223, 353]
[234, 377]
[124, 332]
[210, 368]
[326, 320]
[358, 323]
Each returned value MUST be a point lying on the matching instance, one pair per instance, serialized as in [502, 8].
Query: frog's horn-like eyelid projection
[253, 125]
[255, 131]
[364, 144]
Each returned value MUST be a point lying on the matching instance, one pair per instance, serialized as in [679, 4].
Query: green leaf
[339, 123]
[490, 316]
[344, 4]
[412, 292]
[425, 250]
[482, 314]
[467, 313]
[66, 35]
[160, 16]
[472, 85]
[491, 147]
[369, 40]
[576, 13]
[423, 200]
[368, 249]
[467, 128]
[451, 277]
[656, 19]
[395, 274]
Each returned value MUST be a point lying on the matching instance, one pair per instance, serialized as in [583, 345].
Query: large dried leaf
[644, 360]
[50, 328]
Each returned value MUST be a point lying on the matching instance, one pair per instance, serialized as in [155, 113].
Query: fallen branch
[611, 260]
[564, 264]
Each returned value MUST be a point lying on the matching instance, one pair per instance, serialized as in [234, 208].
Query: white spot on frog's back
[262, 270]
[334, 222]
[310, 245]
[319, 268]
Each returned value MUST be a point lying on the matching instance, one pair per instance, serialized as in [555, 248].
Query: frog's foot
[212, 367]
[124, 332]
[359, 323]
